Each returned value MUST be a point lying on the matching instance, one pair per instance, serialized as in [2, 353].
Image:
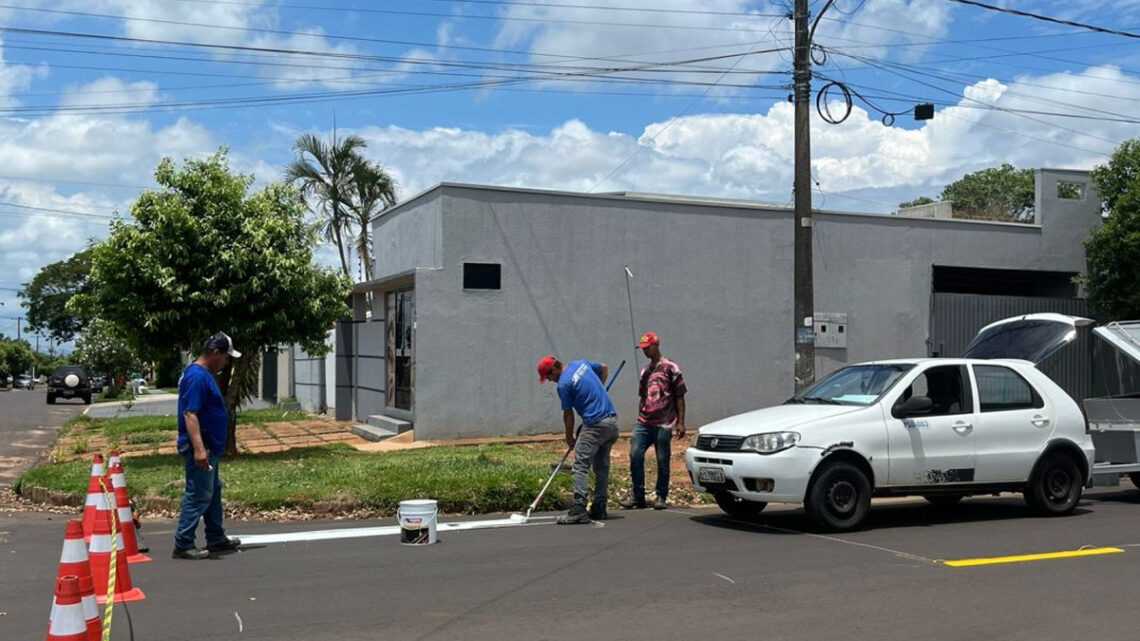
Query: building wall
[715, 280]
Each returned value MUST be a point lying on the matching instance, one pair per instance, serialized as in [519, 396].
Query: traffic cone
[94, 496]
[126, 521]
[100, 556]
[73, 559]
[90, 610]
[114, 459]
[66, 622]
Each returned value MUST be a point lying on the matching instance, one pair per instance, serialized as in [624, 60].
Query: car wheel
[1135, 478]
[50, 399]
[737, 507]
[87, 400]
[944, 500]
[839, 498]
[1056, 485]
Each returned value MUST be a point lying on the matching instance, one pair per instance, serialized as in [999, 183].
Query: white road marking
[725, 578]
[241, 627]
[385, 530]
[899, 553]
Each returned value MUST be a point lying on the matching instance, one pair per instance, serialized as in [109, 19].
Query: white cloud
[15, 78]
[749, 155]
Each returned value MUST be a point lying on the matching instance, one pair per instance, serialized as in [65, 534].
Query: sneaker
[577, 514]
[194, 554]
[230, 544]
[598, 512]
[659, 503]
[631, 503]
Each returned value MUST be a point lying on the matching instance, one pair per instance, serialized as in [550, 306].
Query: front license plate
[710, 475]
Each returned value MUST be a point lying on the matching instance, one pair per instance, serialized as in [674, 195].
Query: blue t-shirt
[580, 388]
[199, 392]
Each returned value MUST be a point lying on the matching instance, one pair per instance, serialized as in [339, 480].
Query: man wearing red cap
[580, 389]
[661, 410]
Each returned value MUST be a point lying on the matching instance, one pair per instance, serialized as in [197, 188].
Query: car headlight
[770, 442]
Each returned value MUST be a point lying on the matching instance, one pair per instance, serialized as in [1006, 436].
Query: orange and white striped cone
[123, 511]
[94, 496]
[90, 610]
[73, 559]
[100, 556]
[66, 622]
[113, 459]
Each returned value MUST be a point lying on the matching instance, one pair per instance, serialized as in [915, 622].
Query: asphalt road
[676, 574]
[28, 426]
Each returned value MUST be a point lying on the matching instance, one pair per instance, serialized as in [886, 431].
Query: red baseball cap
[647, 339]
[545, 364]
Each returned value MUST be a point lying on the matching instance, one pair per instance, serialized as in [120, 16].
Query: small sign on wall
[831, 330]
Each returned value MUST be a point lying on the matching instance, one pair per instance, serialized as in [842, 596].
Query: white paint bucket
[417, 519]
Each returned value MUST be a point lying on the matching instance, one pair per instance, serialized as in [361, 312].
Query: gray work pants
[593, 449]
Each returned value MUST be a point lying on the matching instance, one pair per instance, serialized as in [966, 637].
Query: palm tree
[373, 189]
[325, 173]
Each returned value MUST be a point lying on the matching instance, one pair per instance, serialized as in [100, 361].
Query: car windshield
[855, 385]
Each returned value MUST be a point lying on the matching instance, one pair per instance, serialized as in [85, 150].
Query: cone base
[139, 558]
[135, 594]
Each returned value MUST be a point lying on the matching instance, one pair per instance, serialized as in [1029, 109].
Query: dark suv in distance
[69, 381]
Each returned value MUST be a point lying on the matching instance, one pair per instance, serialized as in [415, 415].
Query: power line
[1044, 18]
[545, 5]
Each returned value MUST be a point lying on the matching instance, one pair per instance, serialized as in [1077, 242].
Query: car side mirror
[914, 406]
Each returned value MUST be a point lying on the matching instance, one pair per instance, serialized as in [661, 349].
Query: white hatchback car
[941, 428]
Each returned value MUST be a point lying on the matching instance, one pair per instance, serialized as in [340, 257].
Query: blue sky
[670, 96]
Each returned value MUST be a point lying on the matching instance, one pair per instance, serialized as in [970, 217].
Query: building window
[1001, 389]
[482, 276]
[1070, 191]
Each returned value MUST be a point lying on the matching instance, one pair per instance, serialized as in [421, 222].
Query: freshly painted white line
[899, 553]
[241, 627]
[725, 578]
[384, 530]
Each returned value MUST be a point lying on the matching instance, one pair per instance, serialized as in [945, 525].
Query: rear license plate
[710, 475]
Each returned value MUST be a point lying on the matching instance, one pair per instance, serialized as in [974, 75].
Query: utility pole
[18, 319]
[802, 284]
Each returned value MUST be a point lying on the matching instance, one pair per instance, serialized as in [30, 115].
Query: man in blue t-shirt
[580, 389]
[202, 425]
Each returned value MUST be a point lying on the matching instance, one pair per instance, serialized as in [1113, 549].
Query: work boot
[230, 544]
[194, 554]
[631, 503]
[577, 514]
[598, 512]
[659, 503]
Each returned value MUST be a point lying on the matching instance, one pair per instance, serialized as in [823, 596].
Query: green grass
[492, 478]
[270, 415]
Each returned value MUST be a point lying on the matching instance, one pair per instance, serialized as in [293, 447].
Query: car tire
[737, 507]
[1056, 485]
[87, 399]
[1135, 478]
[944, 500]
[839, 498]
[51, 399]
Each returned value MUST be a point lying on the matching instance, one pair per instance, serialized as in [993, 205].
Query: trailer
[1114, 416]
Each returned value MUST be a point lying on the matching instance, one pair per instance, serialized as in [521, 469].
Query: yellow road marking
[959, 563]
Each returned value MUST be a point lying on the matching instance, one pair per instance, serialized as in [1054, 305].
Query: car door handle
[1039, 421]
[962, 428]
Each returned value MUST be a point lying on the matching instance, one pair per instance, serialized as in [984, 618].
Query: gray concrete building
[475, 283]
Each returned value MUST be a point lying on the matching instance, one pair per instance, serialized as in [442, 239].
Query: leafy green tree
[921, 200]
[998, 193]
[1113, 249]
[47, 295]
[16, 356]
[344, 190]
[103, 350]
[204, 255]
[373, 189]
[324, 174]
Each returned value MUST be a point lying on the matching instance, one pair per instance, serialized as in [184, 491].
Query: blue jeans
[643, 437]
[201, 500]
